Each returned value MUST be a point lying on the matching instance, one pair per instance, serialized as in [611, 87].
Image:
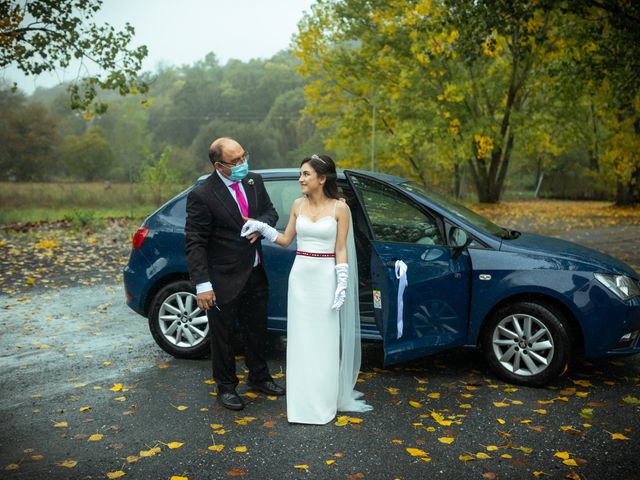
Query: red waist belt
[317, 255]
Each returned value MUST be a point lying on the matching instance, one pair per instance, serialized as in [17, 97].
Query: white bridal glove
[252, 226]
[342, 275]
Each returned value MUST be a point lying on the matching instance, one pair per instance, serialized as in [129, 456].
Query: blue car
[530, 302]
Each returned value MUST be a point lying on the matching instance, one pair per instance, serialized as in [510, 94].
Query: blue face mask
[238, 173]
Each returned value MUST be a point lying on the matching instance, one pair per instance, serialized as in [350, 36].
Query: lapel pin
[250, 181]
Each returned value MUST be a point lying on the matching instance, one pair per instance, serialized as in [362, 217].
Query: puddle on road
[52, 341]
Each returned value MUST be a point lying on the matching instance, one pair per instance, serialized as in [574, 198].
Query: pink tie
[244, 208]
[242, 200]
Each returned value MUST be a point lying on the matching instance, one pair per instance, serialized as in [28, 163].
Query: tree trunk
[457, 180]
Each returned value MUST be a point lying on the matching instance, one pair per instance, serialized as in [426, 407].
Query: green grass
[81, 203]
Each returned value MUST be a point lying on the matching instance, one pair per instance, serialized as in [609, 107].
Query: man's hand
[206, 300]
[252, 237]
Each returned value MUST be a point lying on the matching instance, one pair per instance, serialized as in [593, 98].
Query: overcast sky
[179, 32]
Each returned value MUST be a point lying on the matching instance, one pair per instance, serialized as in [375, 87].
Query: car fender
[496, 284]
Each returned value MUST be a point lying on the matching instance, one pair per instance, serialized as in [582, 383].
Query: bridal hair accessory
[316, 157]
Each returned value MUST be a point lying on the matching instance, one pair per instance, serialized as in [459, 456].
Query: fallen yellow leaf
[506, 455]
[36, 457]
[416, 452]
[116, 387]
[120, 399]
[301, 467]
[181, 408]
[61, 424]
[251, 395]
[215, 448]
[330, 462]
[501, 421]
[116, 474]
[541, 411]
[415, 404]
[342, 421]
[562, 455]
[85, 409]
[149, 453]
[466, 458]
[482, 455]
[583, 383]
[392, 390]
[619, 436]
[96, 437]
[174, 445]
[500, 404]
[177, 477]
[492, 448]
[12, 466]
[68, 463]
[447, 440]
[215, 426]
[241, 449]
[570, 462]
[132, 459]
[434, 395]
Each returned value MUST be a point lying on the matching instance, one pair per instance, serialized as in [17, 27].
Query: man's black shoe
[270, 387]
[230, 400]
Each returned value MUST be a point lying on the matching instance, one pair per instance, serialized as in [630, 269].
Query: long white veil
[350, 351]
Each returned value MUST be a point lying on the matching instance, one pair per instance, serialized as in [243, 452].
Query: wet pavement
[87, 394]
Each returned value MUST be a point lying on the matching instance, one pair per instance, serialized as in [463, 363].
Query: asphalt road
[81, 380]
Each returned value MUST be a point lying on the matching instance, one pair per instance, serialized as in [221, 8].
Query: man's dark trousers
[250, 310]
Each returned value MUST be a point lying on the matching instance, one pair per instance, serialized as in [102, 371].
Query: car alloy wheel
[523, 345]
[527, 342]
[178, 326]
[181, 321]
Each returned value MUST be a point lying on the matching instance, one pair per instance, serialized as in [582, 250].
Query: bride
[323, 324]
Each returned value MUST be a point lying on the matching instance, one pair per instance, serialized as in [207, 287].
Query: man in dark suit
[227, 269]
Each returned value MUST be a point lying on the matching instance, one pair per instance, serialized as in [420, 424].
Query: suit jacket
[215, 250]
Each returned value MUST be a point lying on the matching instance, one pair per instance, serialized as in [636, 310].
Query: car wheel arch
[159, 285]
[547, 301]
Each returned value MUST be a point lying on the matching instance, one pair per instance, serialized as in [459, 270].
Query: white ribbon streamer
[401, 275]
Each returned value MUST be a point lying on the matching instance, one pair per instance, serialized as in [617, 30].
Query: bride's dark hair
[324, 166]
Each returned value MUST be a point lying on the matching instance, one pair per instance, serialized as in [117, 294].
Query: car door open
[436, 299]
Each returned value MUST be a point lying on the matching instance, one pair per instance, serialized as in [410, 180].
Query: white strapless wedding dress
[323, 345]
[313, 327]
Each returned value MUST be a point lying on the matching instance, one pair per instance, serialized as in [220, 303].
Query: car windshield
[460, 211]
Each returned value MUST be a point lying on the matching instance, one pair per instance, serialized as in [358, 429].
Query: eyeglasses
[236, 161]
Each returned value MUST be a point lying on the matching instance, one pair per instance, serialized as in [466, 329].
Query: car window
[394, 217]
[282, 194]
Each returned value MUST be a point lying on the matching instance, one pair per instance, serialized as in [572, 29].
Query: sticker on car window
[377, 299]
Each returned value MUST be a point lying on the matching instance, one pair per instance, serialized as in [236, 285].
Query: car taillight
[139, 237]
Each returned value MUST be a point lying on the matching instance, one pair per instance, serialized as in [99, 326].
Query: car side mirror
[459, 240]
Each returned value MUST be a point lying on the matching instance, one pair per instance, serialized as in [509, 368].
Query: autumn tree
[449, 81]
[604, 60]
[39, 36]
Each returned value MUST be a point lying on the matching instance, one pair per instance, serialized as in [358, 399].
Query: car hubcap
[523, 344]
[181, 321]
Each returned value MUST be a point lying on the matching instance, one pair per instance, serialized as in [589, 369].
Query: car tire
[178, 326]
[527, 343]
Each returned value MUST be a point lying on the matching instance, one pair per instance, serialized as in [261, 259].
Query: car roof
[271, 173]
